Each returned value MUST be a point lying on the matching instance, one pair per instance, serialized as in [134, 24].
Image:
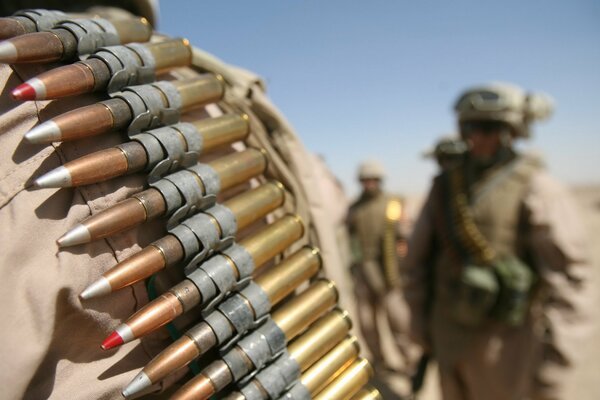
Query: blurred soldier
[376, 245]
[447, 152]
[497, 261]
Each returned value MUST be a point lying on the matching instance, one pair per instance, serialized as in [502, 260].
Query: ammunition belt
[218, 271]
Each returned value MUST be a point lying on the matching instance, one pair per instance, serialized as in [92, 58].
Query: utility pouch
[516, 281]
[476, 293]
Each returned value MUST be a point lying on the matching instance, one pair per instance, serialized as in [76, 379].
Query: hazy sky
[377, 79]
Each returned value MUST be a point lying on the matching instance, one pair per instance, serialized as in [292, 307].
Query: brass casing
[222, 130]
[273, 239]
[132, 30]
[367, 393]
[170, 53]
[256, 203]
[202, 90]
[302, 310]
[330, 366]
[348, 383]
[289, 274]
[321, 337]
[84, 170]
[238, 167]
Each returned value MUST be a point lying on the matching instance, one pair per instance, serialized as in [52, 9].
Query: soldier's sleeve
[418, 273]
[557, 244]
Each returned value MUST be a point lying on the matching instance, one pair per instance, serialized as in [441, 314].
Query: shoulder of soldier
[532, 159]
[529, 165]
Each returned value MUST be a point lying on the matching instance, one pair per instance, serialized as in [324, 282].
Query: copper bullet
[71, 37]
[277, 283]
[29, 21]
[124, 215]
[167, 251]
[94, 73]
[105, 116]
[186, 295]
[115, 114]
[149, 204]
[132, 156]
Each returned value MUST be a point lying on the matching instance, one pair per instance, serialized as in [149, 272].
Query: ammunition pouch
[516, 285]
[500, 292]
[475, 295]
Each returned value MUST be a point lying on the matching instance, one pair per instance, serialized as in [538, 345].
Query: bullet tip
[24, 92]
[139, 383]
[57, 178]
[99, 288]
[46, 132]
[79, 234]
[113, 340]
[33, 89]
[8, 52]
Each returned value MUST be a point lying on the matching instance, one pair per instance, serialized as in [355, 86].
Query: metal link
[188, 240]
[183, 193]
[207, 236]
[204, 283]
[91, 34]
[258, 299]
[147, 103]
[220, 326]
[210, 179]
[152, 146]
[170, 148]
[242, 260]
[221, 273]
[132, 64]
[274, 379]
[43, 19]
[225, 218]
[260, 346]
[239, 313]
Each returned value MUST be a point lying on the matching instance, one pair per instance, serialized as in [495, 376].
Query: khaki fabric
[51, 339]
[494, 361]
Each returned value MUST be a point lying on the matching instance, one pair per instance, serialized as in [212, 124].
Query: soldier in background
[378, 247]
[497, 264]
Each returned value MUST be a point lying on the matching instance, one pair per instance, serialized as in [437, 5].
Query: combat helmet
[371, 169]
[506, 103]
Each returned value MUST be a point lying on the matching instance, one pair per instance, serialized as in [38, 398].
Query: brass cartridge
[348, 383]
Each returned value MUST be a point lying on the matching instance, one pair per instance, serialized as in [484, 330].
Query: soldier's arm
[557, 245]
[418, 274]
